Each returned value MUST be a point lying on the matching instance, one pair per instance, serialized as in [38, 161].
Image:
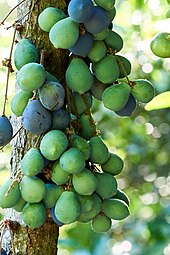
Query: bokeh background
[143, 141]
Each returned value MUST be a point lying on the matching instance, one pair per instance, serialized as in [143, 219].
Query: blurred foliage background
[143, 141]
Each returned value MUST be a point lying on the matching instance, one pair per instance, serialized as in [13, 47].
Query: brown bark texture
[26, 241]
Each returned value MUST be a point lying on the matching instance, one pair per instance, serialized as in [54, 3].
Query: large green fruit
[32, 162]
[31, 77]
[67, 208]
[53, 144]
[58, 175]
[114, 41]
[81, 144]
[98, 51]
[72, 161]
[143, 90]
[53, 192]
[49, 16]
[113, 165]
[34, 215]
[107, 185]
[86, 203]
[115, 209]
[115, 97]
[99, 151]
[64, 34]
[20, 101]
[105, 4]
[78, 71]
[101, 223]
[84, 183]
[88, 128]
[160, 45]
[9, 200]
[32, 189]
[25, 53]
[107, 69]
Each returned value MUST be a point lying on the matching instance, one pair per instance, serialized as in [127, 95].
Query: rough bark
[43, 240]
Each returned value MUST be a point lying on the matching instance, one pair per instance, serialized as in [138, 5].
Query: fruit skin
[10, 200]
[85, 182]
[48, 17]
[107, 69]
[115, 209]
[52, 194]
[34, 215]
[32, 162]
[98, 51]
[35, 118]
[99, 151]
[64, 34]
[80, 11]
[19, 205]
[60, 119]
[98, 88]
[114, 41]
[142, 90]
[59, 223]
[78, 71]
[101, 223]
[58, 144]
[32, 189]
[102, 35]
[25, 52]
[88, 128]
[20, 101]
[78, 102]
[81, 144]
[51, 95]
[105, 4]
[122, 196]
[67, 208]
[114, 165]
[129, 107]
[124, 66]
[58, 175]
[6, 130]
[31, 77]
[160, 45]
[115, 97]
[72, 161]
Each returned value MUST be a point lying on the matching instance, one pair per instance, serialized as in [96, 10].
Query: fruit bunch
[71, 172]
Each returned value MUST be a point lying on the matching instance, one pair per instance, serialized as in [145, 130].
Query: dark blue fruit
[80, 10]
[60, 119]
[3, 252]
[59, 223]
[36, 119]
[83, 45]
[6, 130]
[98, 21]
[129, 108]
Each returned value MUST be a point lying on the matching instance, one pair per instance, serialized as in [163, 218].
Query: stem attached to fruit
[123, 68]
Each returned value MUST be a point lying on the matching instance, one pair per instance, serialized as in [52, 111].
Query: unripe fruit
[99, 151]
[160, 45]
[115, 209]
[142, 90]
[101, 223]
[20, 101]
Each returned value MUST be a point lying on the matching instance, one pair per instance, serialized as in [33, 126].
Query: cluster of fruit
[80, 185]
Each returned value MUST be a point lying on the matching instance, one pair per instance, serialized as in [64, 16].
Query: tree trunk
[40, 240]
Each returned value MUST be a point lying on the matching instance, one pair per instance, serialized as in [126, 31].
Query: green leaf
[161, 101]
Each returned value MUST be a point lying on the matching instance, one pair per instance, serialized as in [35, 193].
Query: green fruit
[122, 196]
[32, 189]
[67, 208]
[49, 17]
[64, 34]
[98, 88]
[50, 77]
[114, 41]
[19, 205]
[115, 209]
[101, 223]
[105, 4]
[160, 45]
[32, 162]
[116, 96]
[124, 66]
[84, 183]
[58, 175]
[107, 69]
[86, 203]
[142, 90]
[81, 144]
[107, 185]
[53, 144]
[72, 161]
[78, 71]
[112, 14]
[98, 51]
[102, 35]
[80, 103]
[34, 215]
[168, 14]
[99, 151]
[9, 200]
[113, 165]
[88, 128]
[20, 101]
[53, 192]
[31, 77]
[25, 53]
